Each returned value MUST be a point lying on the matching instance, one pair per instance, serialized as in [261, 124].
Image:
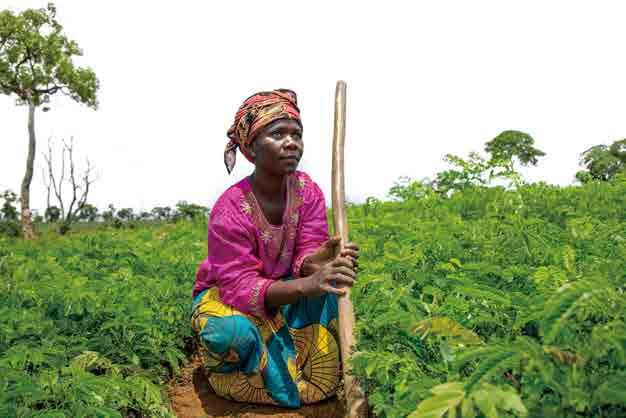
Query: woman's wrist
[306, 286]
[306, 267]
[287, 292]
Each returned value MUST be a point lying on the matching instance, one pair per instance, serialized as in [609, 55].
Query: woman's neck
[268, 186]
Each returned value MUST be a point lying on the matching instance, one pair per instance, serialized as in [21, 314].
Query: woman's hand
[351, 251]
[328, 252]
[340, 272]
[322, 278]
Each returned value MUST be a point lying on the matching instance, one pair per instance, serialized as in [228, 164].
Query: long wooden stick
[355, 398]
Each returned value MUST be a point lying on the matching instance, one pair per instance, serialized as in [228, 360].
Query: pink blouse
[247, 253]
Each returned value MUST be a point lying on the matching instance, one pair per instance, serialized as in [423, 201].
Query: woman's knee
[235, 339]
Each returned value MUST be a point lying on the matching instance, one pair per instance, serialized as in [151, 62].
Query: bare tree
[48, 181]
[79, 185]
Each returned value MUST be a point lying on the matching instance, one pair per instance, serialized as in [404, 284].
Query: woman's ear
[252, 149]
[248, 151]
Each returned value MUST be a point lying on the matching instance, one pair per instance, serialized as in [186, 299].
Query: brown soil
[192, 397]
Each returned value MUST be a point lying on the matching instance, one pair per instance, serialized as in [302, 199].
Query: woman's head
[263, 116]
[278, 147]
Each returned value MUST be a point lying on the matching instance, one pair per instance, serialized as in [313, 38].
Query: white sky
[424, 79]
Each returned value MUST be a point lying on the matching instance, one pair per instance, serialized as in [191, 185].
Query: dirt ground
[192, 397]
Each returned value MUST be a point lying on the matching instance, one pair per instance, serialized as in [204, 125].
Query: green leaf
[611, 392]
[559, 309]
[447, 397]
[446, 327]
[485, 404]
[467, 408]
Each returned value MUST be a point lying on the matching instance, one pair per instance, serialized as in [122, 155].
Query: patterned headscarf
[256, 112]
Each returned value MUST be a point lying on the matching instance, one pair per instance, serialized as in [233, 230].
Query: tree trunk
[27, 225]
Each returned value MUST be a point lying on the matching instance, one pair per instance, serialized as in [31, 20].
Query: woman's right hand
[340, 271]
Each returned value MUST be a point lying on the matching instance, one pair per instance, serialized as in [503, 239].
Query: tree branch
[87, 183]
[70, 150]
[16, 71]
[22, 62]
[47, 184]
[50, 175]
[57, 190]
[50, 90]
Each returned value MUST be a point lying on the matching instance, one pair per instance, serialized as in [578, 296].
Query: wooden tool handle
[355, 397]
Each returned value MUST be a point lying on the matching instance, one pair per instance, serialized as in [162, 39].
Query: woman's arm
[338, 272]
[237, 269]
[313, 229]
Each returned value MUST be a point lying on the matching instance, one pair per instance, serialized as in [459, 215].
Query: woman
[265, 298]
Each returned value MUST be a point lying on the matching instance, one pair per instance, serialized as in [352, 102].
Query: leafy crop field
[494, 303]
[94, 324]
[487, 303]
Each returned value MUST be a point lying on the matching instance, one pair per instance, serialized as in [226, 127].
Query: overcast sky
[424, 79]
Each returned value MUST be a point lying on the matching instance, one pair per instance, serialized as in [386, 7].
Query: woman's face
[277, 149]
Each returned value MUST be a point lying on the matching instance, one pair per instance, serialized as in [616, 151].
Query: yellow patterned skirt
[290, 360]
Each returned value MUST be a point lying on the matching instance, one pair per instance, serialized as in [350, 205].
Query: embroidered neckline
[278, 239]
[253, 204]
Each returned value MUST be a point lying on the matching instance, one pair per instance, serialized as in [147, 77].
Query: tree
[36, 62]
[404, 189]
[191, 211]
[509, 144]
[8, 215]
[52, 214]
[161, 213]
[109, 215]
[79, 186]
[126, 214]
[603, 162]
[88, 212]
[478, 171]
[472, 171]
[8, 211]
[37, 218]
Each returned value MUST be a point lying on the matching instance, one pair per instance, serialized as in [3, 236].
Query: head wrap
[256, 112]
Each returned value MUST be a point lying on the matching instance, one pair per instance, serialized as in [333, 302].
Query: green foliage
[406, 189]
[496, 303]
[512, 299]
[52, 214]
[513, 144]
[36, 59]
[190, 211]
[451, 400]
[88, 212]
[603, 162]
[161, 213]
[473, 171]
[8, 212]
[126, 214]
[476, 170]
[9, 225]
[94, 324]
[452, 331]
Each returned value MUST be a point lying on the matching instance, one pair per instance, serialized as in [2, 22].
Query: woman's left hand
[327, 253]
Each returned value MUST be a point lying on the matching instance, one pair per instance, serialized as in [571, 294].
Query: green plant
[94, 324]
[497, 302]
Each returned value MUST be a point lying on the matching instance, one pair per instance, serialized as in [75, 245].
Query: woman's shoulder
[308, 188]
[229, 202]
